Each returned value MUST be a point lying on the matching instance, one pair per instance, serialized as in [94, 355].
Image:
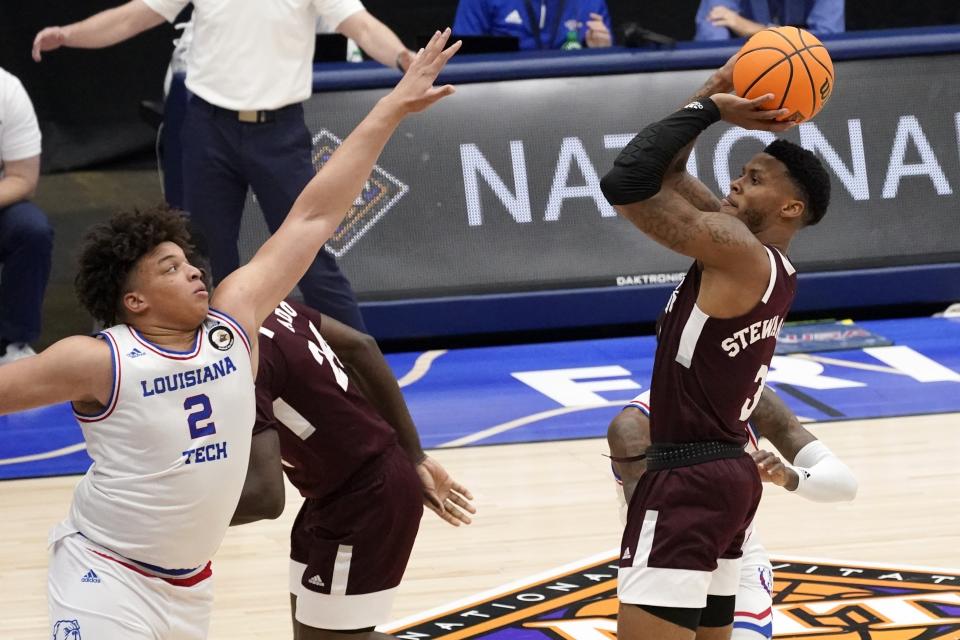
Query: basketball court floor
[521, 427]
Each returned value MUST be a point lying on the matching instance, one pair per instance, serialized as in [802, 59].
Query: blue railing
[686, 55]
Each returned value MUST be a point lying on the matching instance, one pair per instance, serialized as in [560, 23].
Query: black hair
[808, 176]
[111, 249]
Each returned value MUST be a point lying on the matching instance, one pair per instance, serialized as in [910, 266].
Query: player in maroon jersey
[349, 446]
[687, 519]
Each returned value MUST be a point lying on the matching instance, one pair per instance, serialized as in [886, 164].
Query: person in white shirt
[165, 396]
[26, 238]
[249, 68]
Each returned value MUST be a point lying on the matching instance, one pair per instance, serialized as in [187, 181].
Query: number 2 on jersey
[751, 403]
[203, 412]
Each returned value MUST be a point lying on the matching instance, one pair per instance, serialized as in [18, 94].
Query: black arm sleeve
[637, 173]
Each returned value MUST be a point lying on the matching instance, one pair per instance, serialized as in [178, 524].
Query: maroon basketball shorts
[685, 530]
[348, 551]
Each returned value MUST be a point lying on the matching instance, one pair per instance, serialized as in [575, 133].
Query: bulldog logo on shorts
[66, 630]
[221, 337]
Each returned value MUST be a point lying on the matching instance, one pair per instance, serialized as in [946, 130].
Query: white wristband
[821, 476]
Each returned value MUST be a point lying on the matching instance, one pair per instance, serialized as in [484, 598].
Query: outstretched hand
[47, 40]
[415, 91]
[443, 495]
[750, 114]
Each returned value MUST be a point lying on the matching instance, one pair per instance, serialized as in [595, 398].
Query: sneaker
[16, 351]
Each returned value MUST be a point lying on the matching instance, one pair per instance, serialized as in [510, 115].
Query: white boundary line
[520, 422]
[420, 367]
[46, 455]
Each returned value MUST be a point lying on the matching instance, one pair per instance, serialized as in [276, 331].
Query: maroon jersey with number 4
[709, 372]
[328, 430]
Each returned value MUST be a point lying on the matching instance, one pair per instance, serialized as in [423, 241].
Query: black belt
[249, 116]
[670, 456]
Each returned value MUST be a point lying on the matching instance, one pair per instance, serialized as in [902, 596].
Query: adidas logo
[136, 353]
[90, 577]
[316, 581]
[694, 105]
[626, 554]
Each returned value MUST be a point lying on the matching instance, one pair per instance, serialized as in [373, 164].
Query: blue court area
[568, 390]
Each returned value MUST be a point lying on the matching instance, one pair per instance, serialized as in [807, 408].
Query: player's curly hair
[111, 249]
[807, 174]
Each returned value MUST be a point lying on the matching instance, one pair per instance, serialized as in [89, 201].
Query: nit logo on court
[377, 197]
[811, 600]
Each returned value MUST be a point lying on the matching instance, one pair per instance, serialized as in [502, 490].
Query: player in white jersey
[166, 397]
[814, 472]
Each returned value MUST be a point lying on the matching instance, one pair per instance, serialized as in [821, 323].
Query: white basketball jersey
[171, 448]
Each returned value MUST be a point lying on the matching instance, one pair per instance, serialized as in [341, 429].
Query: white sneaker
[16, 351]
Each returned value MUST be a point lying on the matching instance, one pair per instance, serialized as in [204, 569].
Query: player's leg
[92, 597]
[214, 187]
[717, 622]
[662, 580]
[754, 606]
[628, 437]
[305, 632]
[26, 244]
[343, 570]
[668, 623]
[281, 167]
[682, 522]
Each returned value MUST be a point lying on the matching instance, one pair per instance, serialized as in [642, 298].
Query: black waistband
[670, 456]
[251, 116]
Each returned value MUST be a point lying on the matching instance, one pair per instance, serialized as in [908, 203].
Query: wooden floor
[541, 506]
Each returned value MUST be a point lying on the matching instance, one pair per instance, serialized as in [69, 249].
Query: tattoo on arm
[776, 422]
[675, 223]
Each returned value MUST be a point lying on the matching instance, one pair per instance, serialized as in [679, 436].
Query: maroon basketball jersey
[328, 430]
[709, 372]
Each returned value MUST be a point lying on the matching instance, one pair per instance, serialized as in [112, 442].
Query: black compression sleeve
[637, 172]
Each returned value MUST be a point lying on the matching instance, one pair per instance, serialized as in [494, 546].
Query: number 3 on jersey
[202, 412]
[751, 403]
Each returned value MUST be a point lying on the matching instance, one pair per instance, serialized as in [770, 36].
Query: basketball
[790, 63]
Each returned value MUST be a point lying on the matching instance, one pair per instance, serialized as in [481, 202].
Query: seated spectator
[722, 19]
[556, 25]
[26, 239]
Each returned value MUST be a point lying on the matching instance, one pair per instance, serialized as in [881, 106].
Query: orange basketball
[790, 63]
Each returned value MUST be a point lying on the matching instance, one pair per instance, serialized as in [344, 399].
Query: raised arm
[254, 290]
[649, 184]
[77, 369]
[377, 40]
[813, 470]
[676, 176]
[368, 369]
[99, 30]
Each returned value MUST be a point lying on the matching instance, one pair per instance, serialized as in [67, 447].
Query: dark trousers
[26, 244]
[221, 158]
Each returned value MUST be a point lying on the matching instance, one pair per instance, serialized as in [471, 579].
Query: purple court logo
[811, 599]
[381, 191]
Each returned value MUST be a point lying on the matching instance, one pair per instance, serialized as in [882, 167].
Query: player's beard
[753, 218]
